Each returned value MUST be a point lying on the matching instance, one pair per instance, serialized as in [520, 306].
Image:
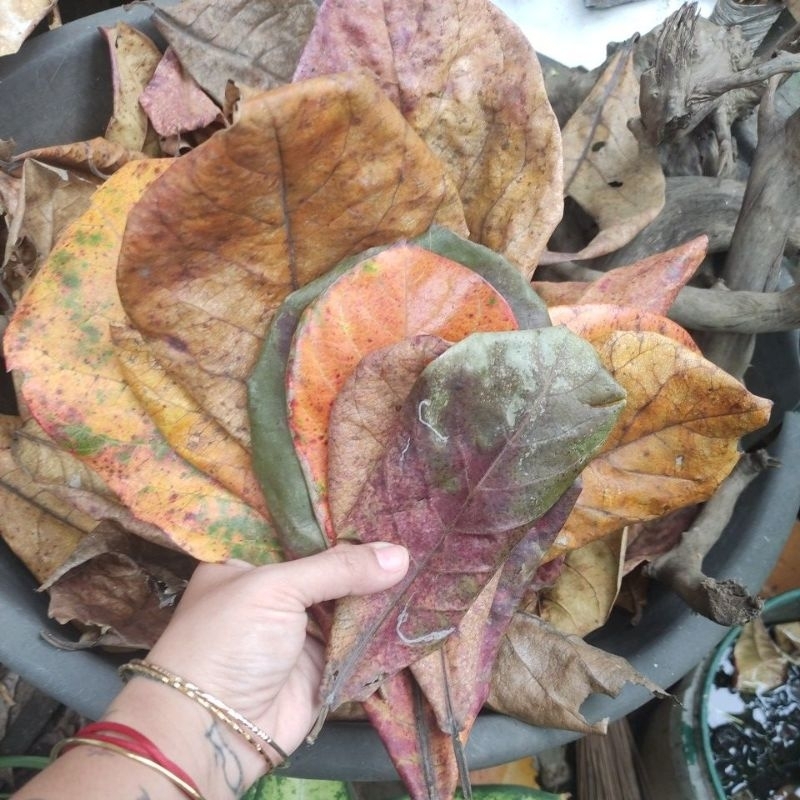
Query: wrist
[222, 763]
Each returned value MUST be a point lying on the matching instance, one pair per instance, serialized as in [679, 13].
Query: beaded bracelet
[125, 741]
[232, 718]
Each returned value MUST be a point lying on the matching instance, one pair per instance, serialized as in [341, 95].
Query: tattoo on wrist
[226, 760]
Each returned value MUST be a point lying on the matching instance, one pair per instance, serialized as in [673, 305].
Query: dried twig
[724, 601]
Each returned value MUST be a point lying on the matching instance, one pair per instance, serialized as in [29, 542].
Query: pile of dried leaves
[287, 299]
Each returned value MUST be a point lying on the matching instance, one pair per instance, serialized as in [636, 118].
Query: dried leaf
[254, 44]
[469, 654]
[615, 179]
[48, 200]
[760, 664]
[364, 412]
[455, 486]
[48, 463]
[584, 594]
[274, 456]
[58, 343]
[399, 293]
[787, 637]
[98, 156]
[134, 59]
[173, 101]
[665, 452]
[123, 587]
[37, 525]
[18, 18]
[647, 540]
[651, 284]
[468, 81]
[421, 753]
[187, 429]
[309, 175]
[542, 676]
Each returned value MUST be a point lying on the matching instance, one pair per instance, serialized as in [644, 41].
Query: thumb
[344, 570]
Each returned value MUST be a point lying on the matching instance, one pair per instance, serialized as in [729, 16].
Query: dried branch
[768, 210]
[723, 601]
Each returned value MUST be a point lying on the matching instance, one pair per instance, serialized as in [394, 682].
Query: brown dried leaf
[254, 44]
[468, 81]
[48, 200]
[18, 18]
[542, 676]
[134, 59]
[120, 586]
[310, 174]
[584, 594]
[42, 458]
[97, 156]
[38, 526]
[760, 663]
[787, 636]
[615, 179]
[173, 101]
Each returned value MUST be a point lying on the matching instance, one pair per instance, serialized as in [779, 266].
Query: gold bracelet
[188, 790]
[232, 718]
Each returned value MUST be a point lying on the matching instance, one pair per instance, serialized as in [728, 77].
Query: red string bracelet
[129, 742]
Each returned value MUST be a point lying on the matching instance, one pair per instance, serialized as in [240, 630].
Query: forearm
[219, 761]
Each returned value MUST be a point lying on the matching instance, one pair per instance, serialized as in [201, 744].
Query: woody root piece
[723, 601]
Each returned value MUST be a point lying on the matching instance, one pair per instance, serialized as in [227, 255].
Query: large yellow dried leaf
[188, 430]
[677, 438]
[37, 525]
[59, 344]
[310, 174]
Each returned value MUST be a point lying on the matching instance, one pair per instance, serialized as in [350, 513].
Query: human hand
[240, 632]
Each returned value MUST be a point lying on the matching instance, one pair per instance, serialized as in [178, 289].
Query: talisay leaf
[183, 424]
[174, 103]
[584, 594]
[274, 458]
[542, 676]
[309, 175]
[468, 656]
[254, 44]
[467, 80]
[120, 587]
[760, 664]
[398, 293]
[40, 527]
[616, 179]
[420, 751]
[651, 284]
[364, 414]
[678, 436]
[134, 59]
[59, 344]
[461, 483]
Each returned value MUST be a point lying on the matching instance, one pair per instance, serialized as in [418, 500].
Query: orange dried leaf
[309, 174]
[59, 344]
[678, 436]
[651, 284]
[402, 292]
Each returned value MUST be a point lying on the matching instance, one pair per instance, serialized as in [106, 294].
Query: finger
[343, 570]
